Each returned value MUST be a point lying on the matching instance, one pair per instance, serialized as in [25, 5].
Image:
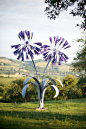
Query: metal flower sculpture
[41, 88]
[52, 52]
[26, 46]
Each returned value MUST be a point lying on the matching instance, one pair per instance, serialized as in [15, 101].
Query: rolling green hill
[16, 67]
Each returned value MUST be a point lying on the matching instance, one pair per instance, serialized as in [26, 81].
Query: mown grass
[67, 114]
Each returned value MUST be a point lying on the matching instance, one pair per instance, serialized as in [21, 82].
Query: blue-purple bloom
[54, 52]
[26, 46]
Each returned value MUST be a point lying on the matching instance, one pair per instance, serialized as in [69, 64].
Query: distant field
[42, 64]
[64, 68]
[5, 61]
[6, 80]
[60, 114]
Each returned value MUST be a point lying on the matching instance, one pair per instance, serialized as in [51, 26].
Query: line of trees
[12, 92]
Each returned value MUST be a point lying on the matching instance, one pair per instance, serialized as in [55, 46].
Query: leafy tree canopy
[55, 7]
[79, 63]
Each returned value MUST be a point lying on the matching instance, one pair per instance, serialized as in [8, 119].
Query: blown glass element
[54, 52]
[26, 46]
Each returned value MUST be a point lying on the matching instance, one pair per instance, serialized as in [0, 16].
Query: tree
[79, 64]
[13, 92]
[55, 7]
[69, 80]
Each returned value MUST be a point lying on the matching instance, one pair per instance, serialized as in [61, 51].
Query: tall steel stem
[46, 68]
[35, 68]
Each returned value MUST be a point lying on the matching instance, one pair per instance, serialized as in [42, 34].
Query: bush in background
[71, 90]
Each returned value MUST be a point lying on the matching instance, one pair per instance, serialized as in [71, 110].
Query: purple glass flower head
[54, 52]
[26, 46]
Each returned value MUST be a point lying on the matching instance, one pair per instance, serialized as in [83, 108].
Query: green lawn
[60, 114]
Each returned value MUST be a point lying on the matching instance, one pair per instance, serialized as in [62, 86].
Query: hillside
[16, 67]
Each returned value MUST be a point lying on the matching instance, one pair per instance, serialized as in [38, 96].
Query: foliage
[69, 80]
[72, 89]
[82, 84]
[55, 7]
[68, 114]
[13, 93]
[79, 64]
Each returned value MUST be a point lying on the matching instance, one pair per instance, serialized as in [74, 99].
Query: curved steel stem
[35, 68]
[46, 68]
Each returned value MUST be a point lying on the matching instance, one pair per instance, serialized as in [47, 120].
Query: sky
[20, 15]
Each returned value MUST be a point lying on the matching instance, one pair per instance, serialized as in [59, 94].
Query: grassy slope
[6, 80]
[67, 114]
[16, 65]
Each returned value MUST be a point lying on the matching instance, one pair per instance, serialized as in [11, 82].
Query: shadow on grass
[41, 115]
[39, 120]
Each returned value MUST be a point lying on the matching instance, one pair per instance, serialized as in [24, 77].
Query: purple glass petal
[36, 52]
[59, 63]
[61, 41]
[61, 58]
[53, 63]
[22, 58]
[66, 43]
[32, 47]
[46, 59]
[65, 60]
[66, 56]
[49, 56]
[27, 56]
[15, 46]
[67, 47]
[21, 53]
[21, 35]
[38, 49]
[45, 46]
[56, 42]
[40, 44]
[31, 54]
[54, 53]
[28, 51]
[31, 35]
[61, 53]
[19, 57]
[45, 53]
[45, 56]
[16, 52]
[50, 39]
[27, 33]
[24, 49]
[54, 38]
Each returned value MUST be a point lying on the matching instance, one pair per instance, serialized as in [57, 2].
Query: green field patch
[64, 68]
[67, 114]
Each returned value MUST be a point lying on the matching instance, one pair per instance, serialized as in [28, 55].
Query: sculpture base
[41, 108]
